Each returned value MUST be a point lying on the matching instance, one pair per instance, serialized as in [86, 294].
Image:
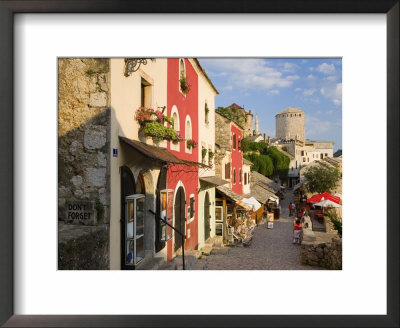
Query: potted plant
[203, 153]
[185, 85]
[210, 156]
[191, 143]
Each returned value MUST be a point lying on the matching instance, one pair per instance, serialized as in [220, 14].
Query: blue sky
[268, 86]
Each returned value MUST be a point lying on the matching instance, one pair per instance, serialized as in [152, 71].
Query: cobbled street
[270, 249]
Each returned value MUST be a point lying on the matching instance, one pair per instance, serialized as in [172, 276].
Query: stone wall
[84, 162]
[83, 132]
[223, 132]
[248, 125]
[324, 254]
[83, 247]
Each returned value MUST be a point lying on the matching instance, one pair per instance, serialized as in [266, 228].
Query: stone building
[113, 177]
[290, 138]
[290, 124]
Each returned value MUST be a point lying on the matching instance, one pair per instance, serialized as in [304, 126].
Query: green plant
[281, 162]
[210, 155]
[160, 132]
[206, 110]
[320, 179]
[236, 115]
[90, 72]
[336, 221]
[191, 143]
[203, 152]
[253, 146]
[185, 85]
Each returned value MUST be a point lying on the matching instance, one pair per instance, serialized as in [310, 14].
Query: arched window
[175, 116]
[182, 72]
[188, 133]
[234, 176]
[234, 141]
[240, 175]
[239, 145]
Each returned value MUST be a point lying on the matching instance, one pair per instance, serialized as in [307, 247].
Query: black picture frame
[7, 11]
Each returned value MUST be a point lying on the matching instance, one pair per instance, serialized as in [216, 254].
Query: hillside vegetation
[268, 161]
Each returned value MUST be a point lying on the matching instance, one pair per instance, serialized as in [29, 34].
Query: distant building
[290, 138]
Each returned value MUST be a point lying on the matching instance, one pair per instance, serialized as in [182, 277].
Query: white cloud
[289, 67]
[273, 92]
[308, 92]
[327, 69]
[316, 126]
[297, 89]
[251, 73]
[331, 78]
[292, 77]
[311, 77]
[333, 92]
[227, 88]
[330, 112]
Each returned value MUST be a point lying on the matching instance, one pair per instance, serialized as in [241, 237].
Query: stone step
[206, 250]
[220, 251]
[154, 263]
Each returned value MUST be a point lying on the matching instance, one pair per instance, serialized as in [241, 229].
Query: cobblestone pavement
[270, 249]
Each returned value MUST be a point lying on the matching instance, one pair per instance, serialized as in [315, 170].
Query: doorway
[207, 217]
[179, 216]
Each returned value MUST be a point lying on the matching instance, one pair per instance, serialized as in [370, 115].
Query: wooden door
[179, 216]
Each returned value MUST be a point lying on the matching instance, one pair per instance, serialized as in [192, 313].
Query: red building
[182, 106]
[237, 158]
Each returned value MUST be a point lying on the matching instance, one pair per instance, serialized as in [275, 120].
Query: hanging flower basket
[152, 125]
[191, 143]
[185, 85]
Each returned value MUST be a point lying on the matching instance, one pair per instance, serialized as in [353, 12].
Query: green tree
[320, 179]
[281, 162]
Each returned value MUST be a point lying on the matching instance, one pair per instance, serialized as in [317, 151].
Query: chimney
[269, 140]
[264, 138]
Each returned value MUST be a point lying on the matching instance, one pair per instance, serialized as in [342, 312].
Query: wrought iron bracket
[133, 64]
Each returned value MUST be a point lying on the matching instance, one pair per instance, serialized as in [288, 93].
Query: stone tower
[290, 124]
[257, 132]
[248, 125]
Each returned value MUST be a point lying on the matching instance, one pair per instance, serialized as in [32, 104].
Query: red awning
[324, 196]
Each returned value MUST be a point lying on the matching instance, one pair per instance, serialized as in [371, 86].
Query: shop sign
[81, 212]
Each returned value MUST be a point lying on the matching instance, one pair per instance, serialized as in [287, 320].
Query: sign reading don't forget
[81, 212]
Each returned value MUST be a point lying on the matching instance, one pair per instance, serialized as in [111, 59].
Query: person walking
[290, 209]
[297, 232]
[294, 209]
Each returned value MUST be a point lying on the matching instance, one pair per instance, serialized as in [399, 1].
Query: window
[188, 133]
[234, 141]
[191, 207]
[145, 93]
[302, 153]
[175, 116]
[304, 159]
[206, 111]
[234, 176]
[326, 155]
[240, 175]
[239, 144]
[227, 170]
[299, 115]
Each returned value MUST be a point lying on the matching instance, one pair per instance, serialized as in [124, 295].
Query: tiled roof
[263, 181]
[157, 153]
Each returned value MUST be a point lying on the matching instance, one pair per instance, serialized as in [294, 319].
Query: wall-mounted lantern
[134, 237]
[133, 64]
[167, 198]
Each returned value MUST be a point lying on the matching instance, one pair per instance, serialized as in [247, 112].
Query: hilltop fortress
[290, 139]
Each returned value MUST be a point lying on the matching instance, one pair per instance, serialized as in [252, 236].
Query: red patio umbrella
[324, 196]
